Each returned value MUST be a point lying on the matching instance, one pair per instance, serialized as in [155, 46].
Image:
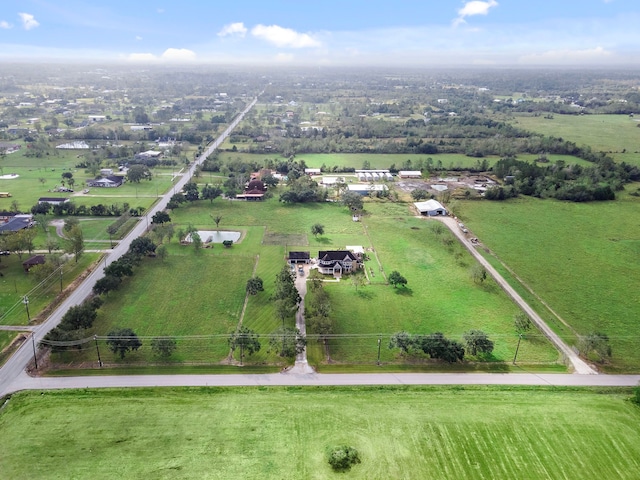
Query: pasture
[581, 258]
[284, 433]
[617, 134]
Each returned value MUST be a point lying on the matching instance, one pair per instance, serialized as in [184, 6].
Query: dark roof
[255, 185]
[35, 260]
[329, 255]
[52, 199]
[299, 255]
[15, 224]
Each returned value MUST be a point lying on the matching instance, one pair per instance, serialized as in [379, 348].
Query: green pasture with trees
[289, 432]
[580, 258]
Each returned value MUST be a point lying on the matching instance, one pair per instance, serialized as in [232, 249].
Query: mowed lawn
[283, 433]
[581, 258]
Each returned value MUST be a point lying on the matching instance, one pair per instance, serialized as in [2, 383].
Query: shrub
[343, 457]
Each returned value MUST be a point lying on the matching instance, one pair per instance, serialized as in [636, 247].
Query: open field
[284, 433]
[441, 295]
[15, 284]
[581, 258]
[607, 133]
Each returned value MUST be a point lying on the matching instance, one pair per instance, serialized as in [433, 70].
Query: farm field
[284, 433]
[607, 133]
[581, 258]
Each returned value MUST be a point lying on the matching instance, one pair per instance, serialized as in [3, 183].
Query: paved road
[20, 359]
[301, 364]
[25, 382]
[579, 365]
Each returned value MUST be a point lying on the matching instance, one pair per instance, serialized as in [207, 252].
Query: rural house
[111, 181]
[298, 257]
[337, 262]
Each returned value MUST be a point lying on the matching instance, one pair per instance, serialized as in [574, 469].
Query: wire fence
[354, 349]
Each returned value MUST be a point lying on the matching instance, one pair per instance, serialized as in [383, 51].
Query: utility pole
[379, 342]
[95, 338]
[25, 300]
[33, 342]
[517, 348]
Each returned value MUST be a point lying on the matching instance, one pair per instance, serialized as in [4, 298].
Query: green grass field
[284, 433]
[607, 133]
[581, 258]
[441, 295]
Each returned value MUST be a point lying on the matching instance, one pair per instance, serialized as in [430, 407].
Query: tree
[317, 229]
[79, 317]
[285, 296]
[138, 172]
[254, 285]
[522, 323]
[287, 342]
[270, 181]
[357, 281]
[191, 192]
[142, 246]
[353, 201]
[217, 219]
[69, 223]
[123, 340]
[396, 279]
[342, 458]
[52, 243]
[75, 242]
[163, 347]
[196, 240]
[246, 339]
[106, 284]
[162, 252]
[160, 217]
[123, 267]
[401, 340]
[41, 221]
[438, 346]
[595, 344]
[210, 192]
[478, 273]
[477, 342]
[419, 194]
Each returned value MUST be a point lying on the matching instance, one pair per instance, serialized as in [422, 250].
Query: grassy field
[441, 295]
[284, 433]
[581, 258]
[15, 284]
[608, 133]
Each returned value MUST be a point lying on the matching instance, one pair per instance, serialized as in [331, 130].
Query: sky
[421, 33]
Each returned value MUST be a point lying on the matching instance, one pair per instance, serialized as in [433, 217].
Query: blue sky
[327, 32]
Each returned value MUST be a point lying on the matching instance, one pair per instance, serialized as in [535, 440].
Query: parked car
[300, 271]
[4, 253]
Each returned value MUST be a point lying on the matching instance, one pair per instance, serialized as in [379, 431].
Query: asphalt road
[13, 368]
[25, 382]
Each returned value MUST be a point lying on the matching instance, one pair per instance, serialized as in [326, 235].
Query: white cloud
[237, 29]
[475, 7]
[568, 57]
[284, 37]
[28, 21]
[4, 24]
[160, 10]
[138, 37]
[178, 54]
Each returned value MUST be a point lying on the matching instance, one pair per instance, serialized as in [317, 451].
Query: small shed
[53, 200]
[410, 174]
[431, 208]
[33, 261]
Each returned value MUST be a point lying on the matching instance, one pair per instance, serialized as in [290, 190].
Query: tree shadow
[323, 240]
[404, 291]
[365, 293]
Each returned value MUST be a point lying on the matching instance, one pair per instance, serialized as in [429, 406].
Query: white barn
[431, 208]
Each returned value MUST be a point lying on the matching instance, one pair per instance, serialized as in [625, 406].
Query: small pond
[217, 236]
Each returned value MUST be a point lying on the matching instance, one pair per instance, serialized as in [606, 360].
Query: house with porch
[337, 262]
